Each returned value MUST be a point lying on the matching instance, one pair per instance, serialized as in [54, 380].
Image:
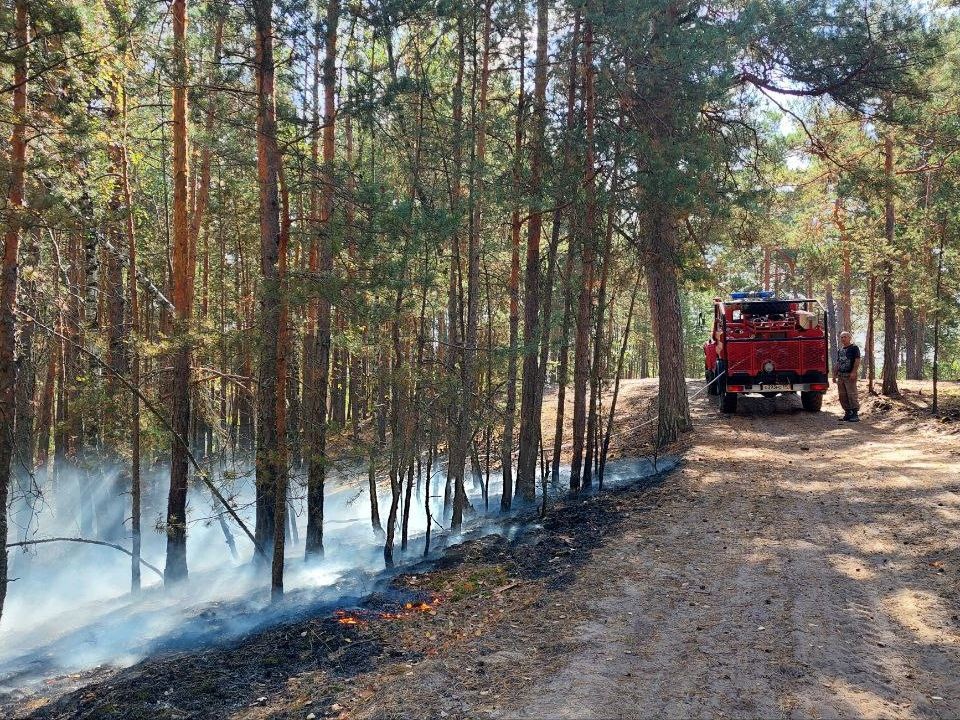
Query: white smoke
[70, 609]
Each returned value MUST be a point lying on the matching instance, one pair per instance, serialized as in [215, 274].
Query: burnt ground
[316, 663]
[793, 566]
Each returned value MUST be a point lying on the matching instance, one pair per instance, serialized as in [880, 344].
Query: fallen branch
[504, 588]
[41, 541]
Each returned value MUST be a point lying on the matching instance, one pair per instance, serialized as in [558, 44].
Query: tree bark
[47, 400]
[134, 354]
[581, 357]
[283, 351]
[531, 394]
[596, 371]
[372, 489]
[355, 383]
[175, 570]
[269, 456]
[890, 351]
[563, 367]
[845, 278]
[454, 300]
[941, 230]
[468, 370]
[310, 349]
[663, 291]
[513, 289]
[8, 281]
[26, 384]
[317, 465]
[870, 366]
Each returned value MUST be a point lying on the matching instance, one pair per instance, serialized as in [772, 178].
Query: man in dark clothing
[845, 373]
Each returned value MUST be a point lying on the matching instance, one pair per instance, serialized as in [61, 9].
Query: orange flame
[346, 618]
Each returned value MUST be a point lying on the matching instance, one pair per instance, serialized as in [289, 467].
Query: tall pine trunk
[581, 356]
[133, 337]
[182, 280]
[596, 374]
[468, 369]
[563, 366]
[8, 281]
[531, 393]
[890, 350]
[318, 451]
[269, 469]
[513, 287]
[454, 300]
[310, 428]
[280, 399]
[662, 269]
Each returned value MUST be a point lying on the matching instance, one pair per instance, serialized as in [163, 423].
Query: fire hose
[692, 397]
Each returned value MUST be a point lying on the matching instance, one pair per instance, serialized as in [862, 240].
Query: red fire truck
[769, 346]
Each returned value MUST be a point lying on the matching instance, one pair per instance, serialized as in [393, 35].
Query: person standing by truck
[845, 373]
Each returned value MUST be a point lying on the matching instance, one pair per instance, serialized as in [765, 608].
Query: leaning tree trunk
[616, 382]
[8, 280]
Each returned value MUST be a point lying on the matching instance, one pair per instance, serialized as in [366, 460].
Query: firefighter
[845, 373]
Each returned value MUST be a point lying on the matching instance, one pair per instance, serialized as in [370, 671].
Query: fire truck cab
[764, 345]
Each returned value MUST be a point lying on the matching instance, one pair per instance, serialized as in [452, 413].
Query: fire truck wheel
[811, 401]
[728, 402]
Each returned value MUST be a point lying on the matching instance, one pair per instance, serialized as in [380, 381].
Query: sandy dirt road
[795, 567]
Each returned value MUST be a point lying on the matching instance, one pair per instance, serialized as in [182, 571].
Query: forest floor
[793, 566]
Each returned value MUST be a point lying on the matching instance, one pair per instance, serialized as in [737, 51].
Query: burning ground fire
[346, 617]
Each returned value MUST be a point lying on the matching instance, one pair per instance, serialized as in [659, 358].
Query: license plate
[775, 388]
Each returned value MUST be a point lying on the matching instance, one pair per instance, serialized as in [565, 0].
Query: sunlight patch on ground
[851, 566]
[817, 487]
[865, 539]
[858, 701]
[924, 614]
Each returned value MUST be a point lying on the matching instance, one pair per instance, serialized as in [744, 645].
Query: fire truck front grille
[783, 355]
